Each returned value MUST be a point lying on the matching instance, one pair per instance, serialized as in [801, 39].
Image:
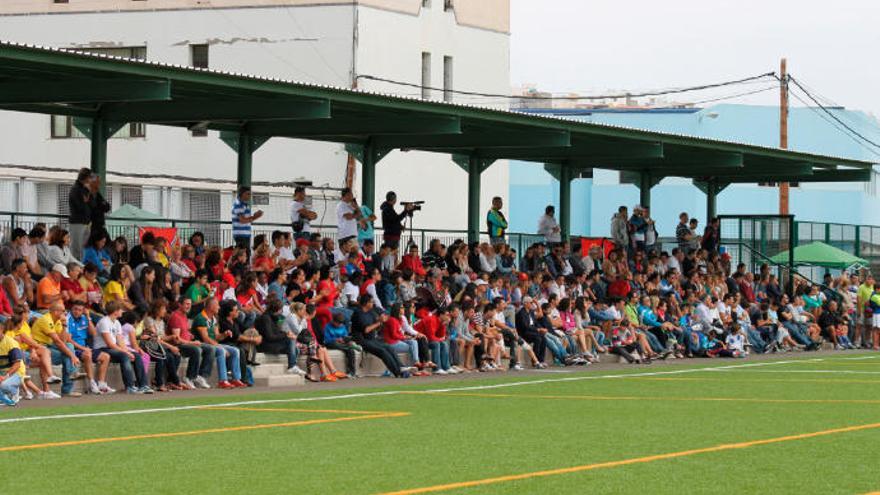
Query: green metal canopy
[820, 254]
[103, 92]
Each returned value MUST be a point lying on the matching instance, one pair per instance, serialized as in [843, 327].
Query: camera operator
[392, 222]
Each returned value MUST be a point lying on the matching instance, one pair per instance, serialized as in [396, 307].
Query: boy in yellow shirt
[11, 369]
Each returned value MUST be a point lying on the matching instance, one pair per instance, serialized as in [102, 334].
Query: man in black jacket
[392, 222]
[366, 329]
[98, 205]
[80, 216]
[528, 329]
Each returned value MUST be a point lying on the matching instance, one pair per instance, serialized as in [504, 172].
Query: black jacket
[99, 207]
[525, 322]
[78, 204]
[275, 341]
[392, 222]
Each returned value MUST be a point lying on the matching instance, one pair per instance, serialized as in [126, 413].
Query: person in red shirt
[392, 334]
[200, 356]
[433, 326]
[325, 297]
[412, 262]
[620, 288]
[71, 290]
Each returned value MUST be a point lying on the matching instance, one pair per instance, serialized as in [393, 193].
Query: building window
[60, 1]
[447, 5]
[426, 4]
[426, 76]
[447, 78]
[62, 126]
[198, 58]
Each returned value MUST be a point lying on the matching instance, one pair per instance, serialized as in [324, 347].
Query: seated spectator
[154, 341]
[366, 325]
[58, 251]
[12, 249]
[274, 340]
[71, 290]
[337, 337]
[206, 327]
[12, 370]
[29, 252]
[18, 285]
[49, 288]
[119, 251]
[200, 356]
[412, 262]
[198, 292]
[108, 339]
[116, 289]
[49, 331]
[95, 252]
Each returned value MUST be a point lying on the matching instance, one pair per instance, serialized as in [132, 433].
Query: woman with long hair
[116, 289]
[59, 250]
[96, 253]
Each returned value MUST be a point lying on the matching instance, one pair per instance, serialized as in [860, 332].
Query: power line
[833, 124]
[594, 97]
[831, 114]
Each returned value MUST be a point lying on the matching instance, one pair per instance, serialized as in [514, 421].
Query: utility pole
[783, 130]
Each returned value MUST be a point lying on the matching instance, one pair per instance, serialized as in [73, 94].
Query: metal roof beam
[726, 172]
[209, 110]
[84, 91]
[845, 175]
[597, 153]
[357, 126]
[51, 109]
[482, 140]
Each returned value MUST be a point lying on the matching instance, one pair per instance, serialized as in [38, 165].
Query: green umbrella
[820, 254]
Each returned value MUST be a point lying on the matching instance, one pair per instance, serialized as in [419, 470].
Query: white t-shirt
[736, 342]
[345, 227]
[285, 253]
[106, 328]
[295, 207]
[229, 294]
[351, 292]
[292, 323]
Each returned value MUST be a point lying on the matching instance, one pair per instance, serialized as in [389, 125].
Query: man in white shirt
[106, 340]
[300, 214]
[347, 216]
[674, 261]
[548, 227]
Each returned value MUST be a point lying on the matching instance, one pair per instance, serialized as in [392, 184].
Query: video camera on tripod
[413, 205]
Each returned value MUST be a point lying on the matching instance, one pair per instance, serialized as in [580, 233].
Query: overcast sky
[591, 46]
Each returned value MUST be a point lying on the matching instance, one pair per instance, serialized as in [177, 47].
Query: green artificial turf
[451, 437]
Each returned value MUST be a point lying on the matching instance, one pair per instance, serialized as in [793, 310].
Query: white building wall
[390, 46]
[312, 43]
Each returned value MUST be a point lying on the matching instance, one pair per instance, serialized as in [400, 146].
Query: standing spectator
[548, 227]
[496, 222]
[639, 228]
[348, 215]
[651, 232]
[711, 236]
[98, 206]
[694, 242]
[620, 229]
[365, 227]
[300, 214]
[79, 203]
[683, 234]
[243, 219]
[392, 222]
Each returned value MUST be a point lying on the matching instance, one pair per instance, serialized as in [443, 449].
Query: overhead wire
[833, 124]
[831, 114]
[588, 97]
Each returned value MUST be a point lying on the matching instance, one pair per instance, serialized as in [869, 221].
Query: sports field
[794, 424]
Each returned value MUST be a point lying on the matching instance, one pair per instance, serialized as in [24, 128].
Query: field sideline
[794, 424]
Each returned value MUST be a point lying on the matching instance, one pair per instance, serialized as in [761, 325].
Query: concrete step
[279, 381]
[269, 369]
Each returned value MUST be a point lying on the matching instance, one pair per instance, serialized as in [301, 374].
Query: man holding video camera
[392, 222]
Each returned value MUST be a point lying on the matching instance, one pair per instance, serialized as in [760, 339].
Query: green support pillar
[565, 179]
[645, 189]
[711, 201]
[368, 176]
[474, 171]
[98, 163]
[245, 159]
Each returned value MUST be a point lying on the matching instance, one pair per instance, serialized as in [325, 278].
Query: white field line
[397, 392]
[833, 372]
[859, 358]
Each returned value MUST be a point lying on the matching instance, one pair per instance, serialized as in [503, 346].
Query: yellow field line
[626, 462]
[671, 399]
[280, 409]
[90, 441]
[754, 380]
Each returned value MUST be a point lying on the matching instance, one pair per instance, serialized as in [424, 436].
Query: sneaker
[133, 391]
[239, 383]
[146, 390]
[225, 385]
[7, 401]
[441, 372]
[295, 370]
[53, 379]
[94, 389]
[72, 394]
[188, 383]
[352, 376]
[340, 375]
[105, 389]
[28, 395]
[405, 374]
[79, 375]
[329, 378]
[453, 371]
[50, 395]
[201, 382]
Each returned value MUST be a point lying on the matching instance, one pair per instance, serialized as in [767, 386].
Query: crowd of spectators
[448, 309]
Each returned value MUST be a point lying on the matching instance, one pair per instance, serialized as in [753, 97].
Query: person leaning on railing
[79, 202]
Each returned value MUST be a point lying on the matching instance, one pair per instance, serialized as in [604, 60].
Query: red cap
[523, 276]
[302, 242]
[229, 279]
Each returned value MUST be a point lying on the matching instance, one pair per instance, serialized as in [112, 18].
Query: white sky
[592, 46]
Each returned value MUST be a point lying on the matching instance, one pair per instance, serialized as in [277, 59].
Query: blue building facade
[596, 199]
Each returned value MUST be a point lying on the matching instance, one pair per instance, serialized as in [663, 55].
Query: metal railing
[219, 233]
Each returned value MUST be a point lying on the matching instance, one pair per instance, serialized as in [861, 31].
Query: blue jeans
[440, 354]
[132, 371]
[9, 386]
[232, 361]
[758, 343]
[408, 346]
[292, 354]
[67, 368]
[798, 333]
[555, 346]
